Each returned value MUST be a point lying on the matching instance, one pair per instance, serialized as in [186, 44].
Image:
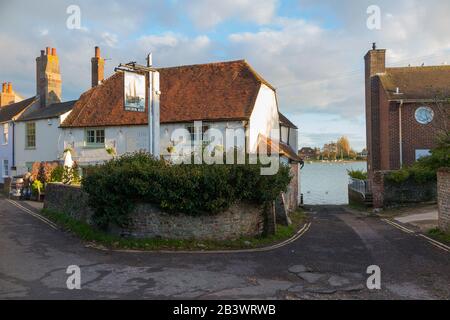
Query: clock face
[424, 115]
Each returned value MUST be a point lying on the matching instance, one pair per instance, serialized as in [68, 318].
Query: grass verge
[90, 234]
[440, 235]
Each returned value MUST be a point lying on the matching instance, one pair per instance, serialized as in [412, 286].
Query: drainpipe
[400, 132]
[13, 145]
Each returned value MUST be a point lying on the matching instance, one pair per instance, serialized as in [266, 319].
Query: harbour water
[326, 183]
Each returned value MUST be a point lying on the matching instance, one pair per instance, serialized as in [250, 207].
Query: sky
[311, 51]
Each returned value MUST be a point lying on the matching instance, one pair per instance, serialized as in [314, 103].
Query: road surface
[328, 262]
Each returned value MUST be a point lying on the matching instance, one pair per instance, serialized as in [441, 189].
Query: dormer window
[284, 134]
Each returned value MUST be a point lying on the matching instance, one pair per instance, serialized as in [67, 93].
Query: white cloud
[171, 49]
[316, 63]
[207, 14]
[110, 39]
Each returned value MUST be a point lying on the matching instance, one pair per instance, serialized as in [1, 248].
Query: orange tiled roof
[266, 144]
[215, 91]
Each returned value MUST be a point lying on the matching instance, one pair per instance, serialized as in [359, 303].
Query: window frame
[29, 135]
[5, 170]
[96, 140]
[192, 133]
[5, 134]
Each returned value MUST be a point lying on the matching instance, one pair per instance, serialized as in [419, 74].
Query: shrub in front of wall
[425, 169]
[36, 187]
[57, 174]
[357, 174]
[42, 173]
[115, 187]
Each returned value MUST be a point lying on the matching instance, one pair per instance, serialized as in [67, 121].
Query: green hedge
[425, 169]
[115, 187]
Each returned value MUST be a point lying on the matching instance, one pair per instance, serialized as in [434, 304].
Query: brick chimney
[98, 68]
[48, 77]
[375, 63]
[7, 95]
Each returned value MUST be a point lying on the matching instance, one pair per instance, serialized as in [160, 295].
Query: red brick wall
[384, 139]
[375, 62]
[415, 135]
[444, 199]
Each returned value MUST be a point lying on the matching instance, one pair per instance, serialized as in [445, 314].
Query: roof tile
[215, 91]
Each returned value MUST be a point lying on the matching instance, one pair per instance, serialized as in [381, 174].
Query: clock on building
[424, 115]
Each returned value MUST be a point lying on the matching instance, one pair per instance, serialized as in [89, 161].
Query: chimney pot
[10, 87]
[53, 51]
[97, 52]
[4, 87]
[47, 51]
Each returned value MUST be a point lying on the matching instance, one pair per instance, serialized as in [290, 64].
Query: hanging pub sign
[134, 92]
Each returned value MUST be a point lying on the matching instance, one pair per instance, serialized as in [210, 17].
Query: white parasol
[68, 162]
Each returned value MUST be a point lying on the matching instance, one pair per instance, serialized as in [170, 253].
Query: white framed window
[196, 134]
[95, 137]
[424, 115]
[5, 168]
[30, 135]
[5, 133]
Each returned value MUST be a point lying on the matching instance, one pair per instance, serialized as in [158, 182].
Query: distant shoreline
[333, 162]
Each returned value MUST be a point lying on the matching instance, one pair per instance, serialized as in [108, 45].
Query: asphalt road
[329, 262]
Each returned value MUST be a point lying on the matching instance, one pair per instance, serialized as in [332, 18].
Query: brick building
[405, 110]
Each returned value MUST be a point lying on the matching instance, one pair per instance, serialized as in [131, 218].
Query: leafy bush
[116, 186]
[57, 174]
[42, 173]
[425, 169]
[357, 174]
[70, 175]
[36, 186]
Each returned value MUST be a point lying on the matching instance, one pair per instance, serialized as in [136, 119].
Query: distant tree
[343, 146]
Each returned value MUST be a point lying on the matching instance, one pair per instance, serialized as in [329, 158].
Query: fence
[360, 186]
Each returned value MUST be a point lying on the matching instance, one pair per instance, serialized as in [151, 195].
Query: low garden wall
[148, 221]
[444, 198]
[388, 193]
[355, 198]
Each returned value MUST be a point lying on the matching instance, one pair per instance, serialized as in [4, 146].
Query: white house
[96, 127]
[38, 134]
[224, 95]
[36, 129]
[8, 115]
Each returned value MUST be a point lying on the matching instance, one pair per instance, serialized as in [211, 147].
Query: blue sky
[310, 50]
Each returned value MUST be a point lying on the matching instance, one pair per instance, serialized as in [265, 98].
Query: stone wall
[69, 200]
[291, 196]
[148, 221]
[390, 194]
[355, 197]
[443, 188]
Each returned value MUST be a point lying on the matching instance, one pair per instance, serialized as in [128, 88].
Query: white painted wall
[264, 117]
[122, 139]
[48, 139]
[293, 139]
[127, 139]
[168, 129]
